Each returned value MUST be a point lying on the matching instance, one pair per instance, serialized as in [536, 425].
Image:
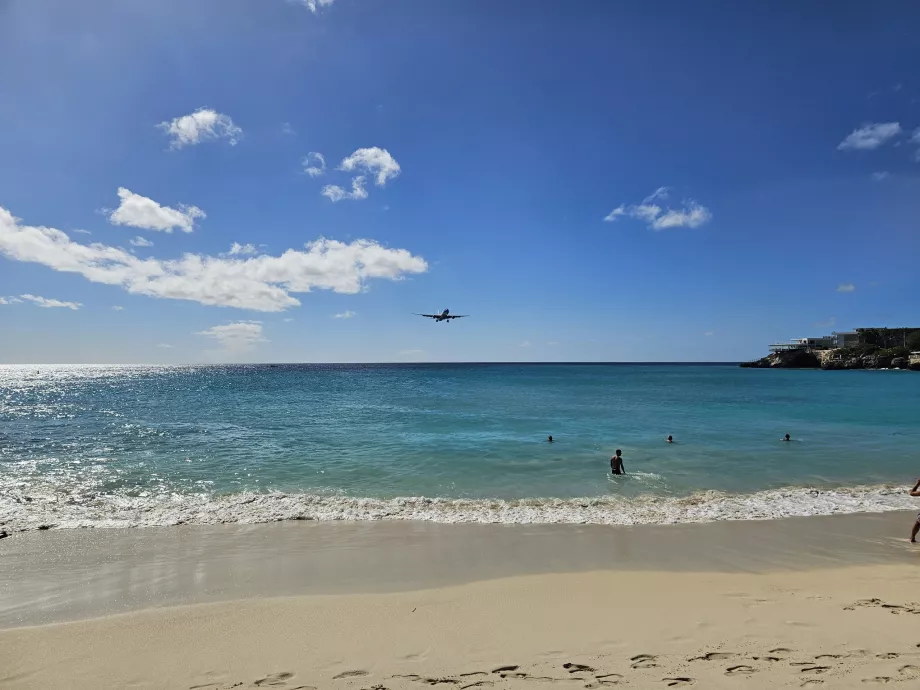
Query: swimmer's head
[670, 439]
[786, 438]
[619, 451]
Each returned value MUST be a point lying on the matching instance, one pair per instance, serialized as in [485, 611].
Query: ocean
[130, 446]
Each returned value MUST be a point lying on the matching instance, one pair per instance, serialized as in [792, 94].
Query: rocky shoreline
[839, 359]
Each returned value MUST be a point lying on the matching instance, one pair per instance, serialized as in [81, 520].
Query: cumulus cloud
[375, 161]
[870, 136]
[335, 193]
[237, 249]
[138, 211]
[140, 242]
[236, 337]
[50, 303]
[690, 214]
[314, 164]
[344, 315]
[879, 176]
[260, 283]
[203, 125]
[846, 287]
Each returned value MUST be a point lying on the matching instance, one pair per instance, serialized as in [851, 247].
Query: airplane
[444, 316]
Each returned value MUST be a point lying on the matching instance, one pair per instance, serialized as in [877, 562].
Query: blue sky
[754, 163]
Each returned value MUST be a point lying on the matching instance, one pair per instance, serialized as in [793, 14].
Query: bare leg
[913, 532]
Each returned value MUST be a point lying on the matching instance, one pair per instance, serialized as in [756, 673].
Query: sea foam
[21, 512]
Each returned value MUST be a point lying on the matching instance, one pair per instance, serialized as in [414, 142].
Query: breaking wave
[22, 512]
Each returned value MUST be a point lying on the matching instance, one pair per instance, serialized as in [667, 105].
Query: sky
[292, 180]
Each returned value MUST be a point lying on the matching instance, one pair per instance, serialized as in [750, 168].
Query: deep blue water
[75, 435]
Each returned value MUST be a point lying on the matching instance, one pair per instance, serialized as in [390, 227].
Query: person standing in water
[915, 492]
[549, 439]
[616, 463]
[786, 438]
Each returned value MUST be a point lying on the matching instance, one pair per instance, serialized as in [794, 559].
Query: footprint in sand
[887, 655]
[909, 671]
[350, 674]
[274, 679]
[878, 603]
[678, 682]
[713, 656]
[741, 670]
[815, 669]
[643, 661]
[505, 669]
[877, 679]
[577, 668]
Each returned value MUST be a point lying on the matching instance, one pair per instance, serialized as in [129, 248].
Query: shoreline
[65, 575]
[397, 605]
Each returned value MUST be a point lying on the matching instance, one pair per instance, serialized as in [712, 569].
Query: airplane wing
[456, 316]
[430, 316]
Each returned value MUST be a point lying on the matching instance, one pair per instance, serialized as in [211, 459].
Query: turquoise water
[85, 445]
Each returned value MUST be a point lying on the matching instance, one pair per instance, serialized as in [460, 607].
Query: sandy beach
[645, 611]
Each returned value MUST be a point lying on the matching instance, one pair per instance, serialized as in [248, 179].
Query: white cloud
[879, 176]
[830, 323]
[3, 300]
[140, 242]
[335, 193]
[870, 136]
[691, 214]
[237, 249]
[709, 334]
[315, 5]
[846, 287]
[118, 308]
[376, 161]
[50, 303]
[138, 211]
[238, 336]
[10, 300]
[287, 320]
[344, 315]
[261, 283]
[552, 343]
[83, 232]
[526, 343]
[287, 129]
[314, 164]
[204, 124]
[165, 346]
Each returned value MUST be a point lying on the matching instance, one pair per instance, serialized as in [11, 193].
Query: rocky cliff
[832, 359]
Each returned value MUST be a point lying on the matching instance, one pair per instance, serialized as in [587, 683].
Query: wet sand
[789, 603]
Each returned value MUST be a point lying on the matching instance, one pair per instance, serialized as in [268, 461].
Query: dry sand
[834, 627]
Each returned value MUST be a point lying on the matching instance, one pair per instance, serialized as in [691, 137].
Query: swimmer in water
[549, 439]
[670, 439]
[786, 438]
[915, 492]
[616, 463]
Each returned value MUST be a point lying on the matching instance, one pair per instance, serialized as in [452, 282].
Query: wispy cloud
[202, 125]
[689, 214]
[829, 323]
[287, 129]
[236, 337]
[335, 193]
[915, 139]
[82, 232]
[410, 353]
[552, 343]
[140, 242]
[881, 175]
[526, 343]
[375, 161]
[138, 211]
[237, 249]
[846, 287]
[287, 320]
[709, 334]
[165, 346]
[870, 136]
[118, 308]
[314, 5]
[260, 283]
[344, 315]
[314, 164]
[50, 303]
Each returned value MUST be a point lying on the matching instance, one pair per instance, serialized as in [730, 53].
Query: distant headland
[863, 348]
